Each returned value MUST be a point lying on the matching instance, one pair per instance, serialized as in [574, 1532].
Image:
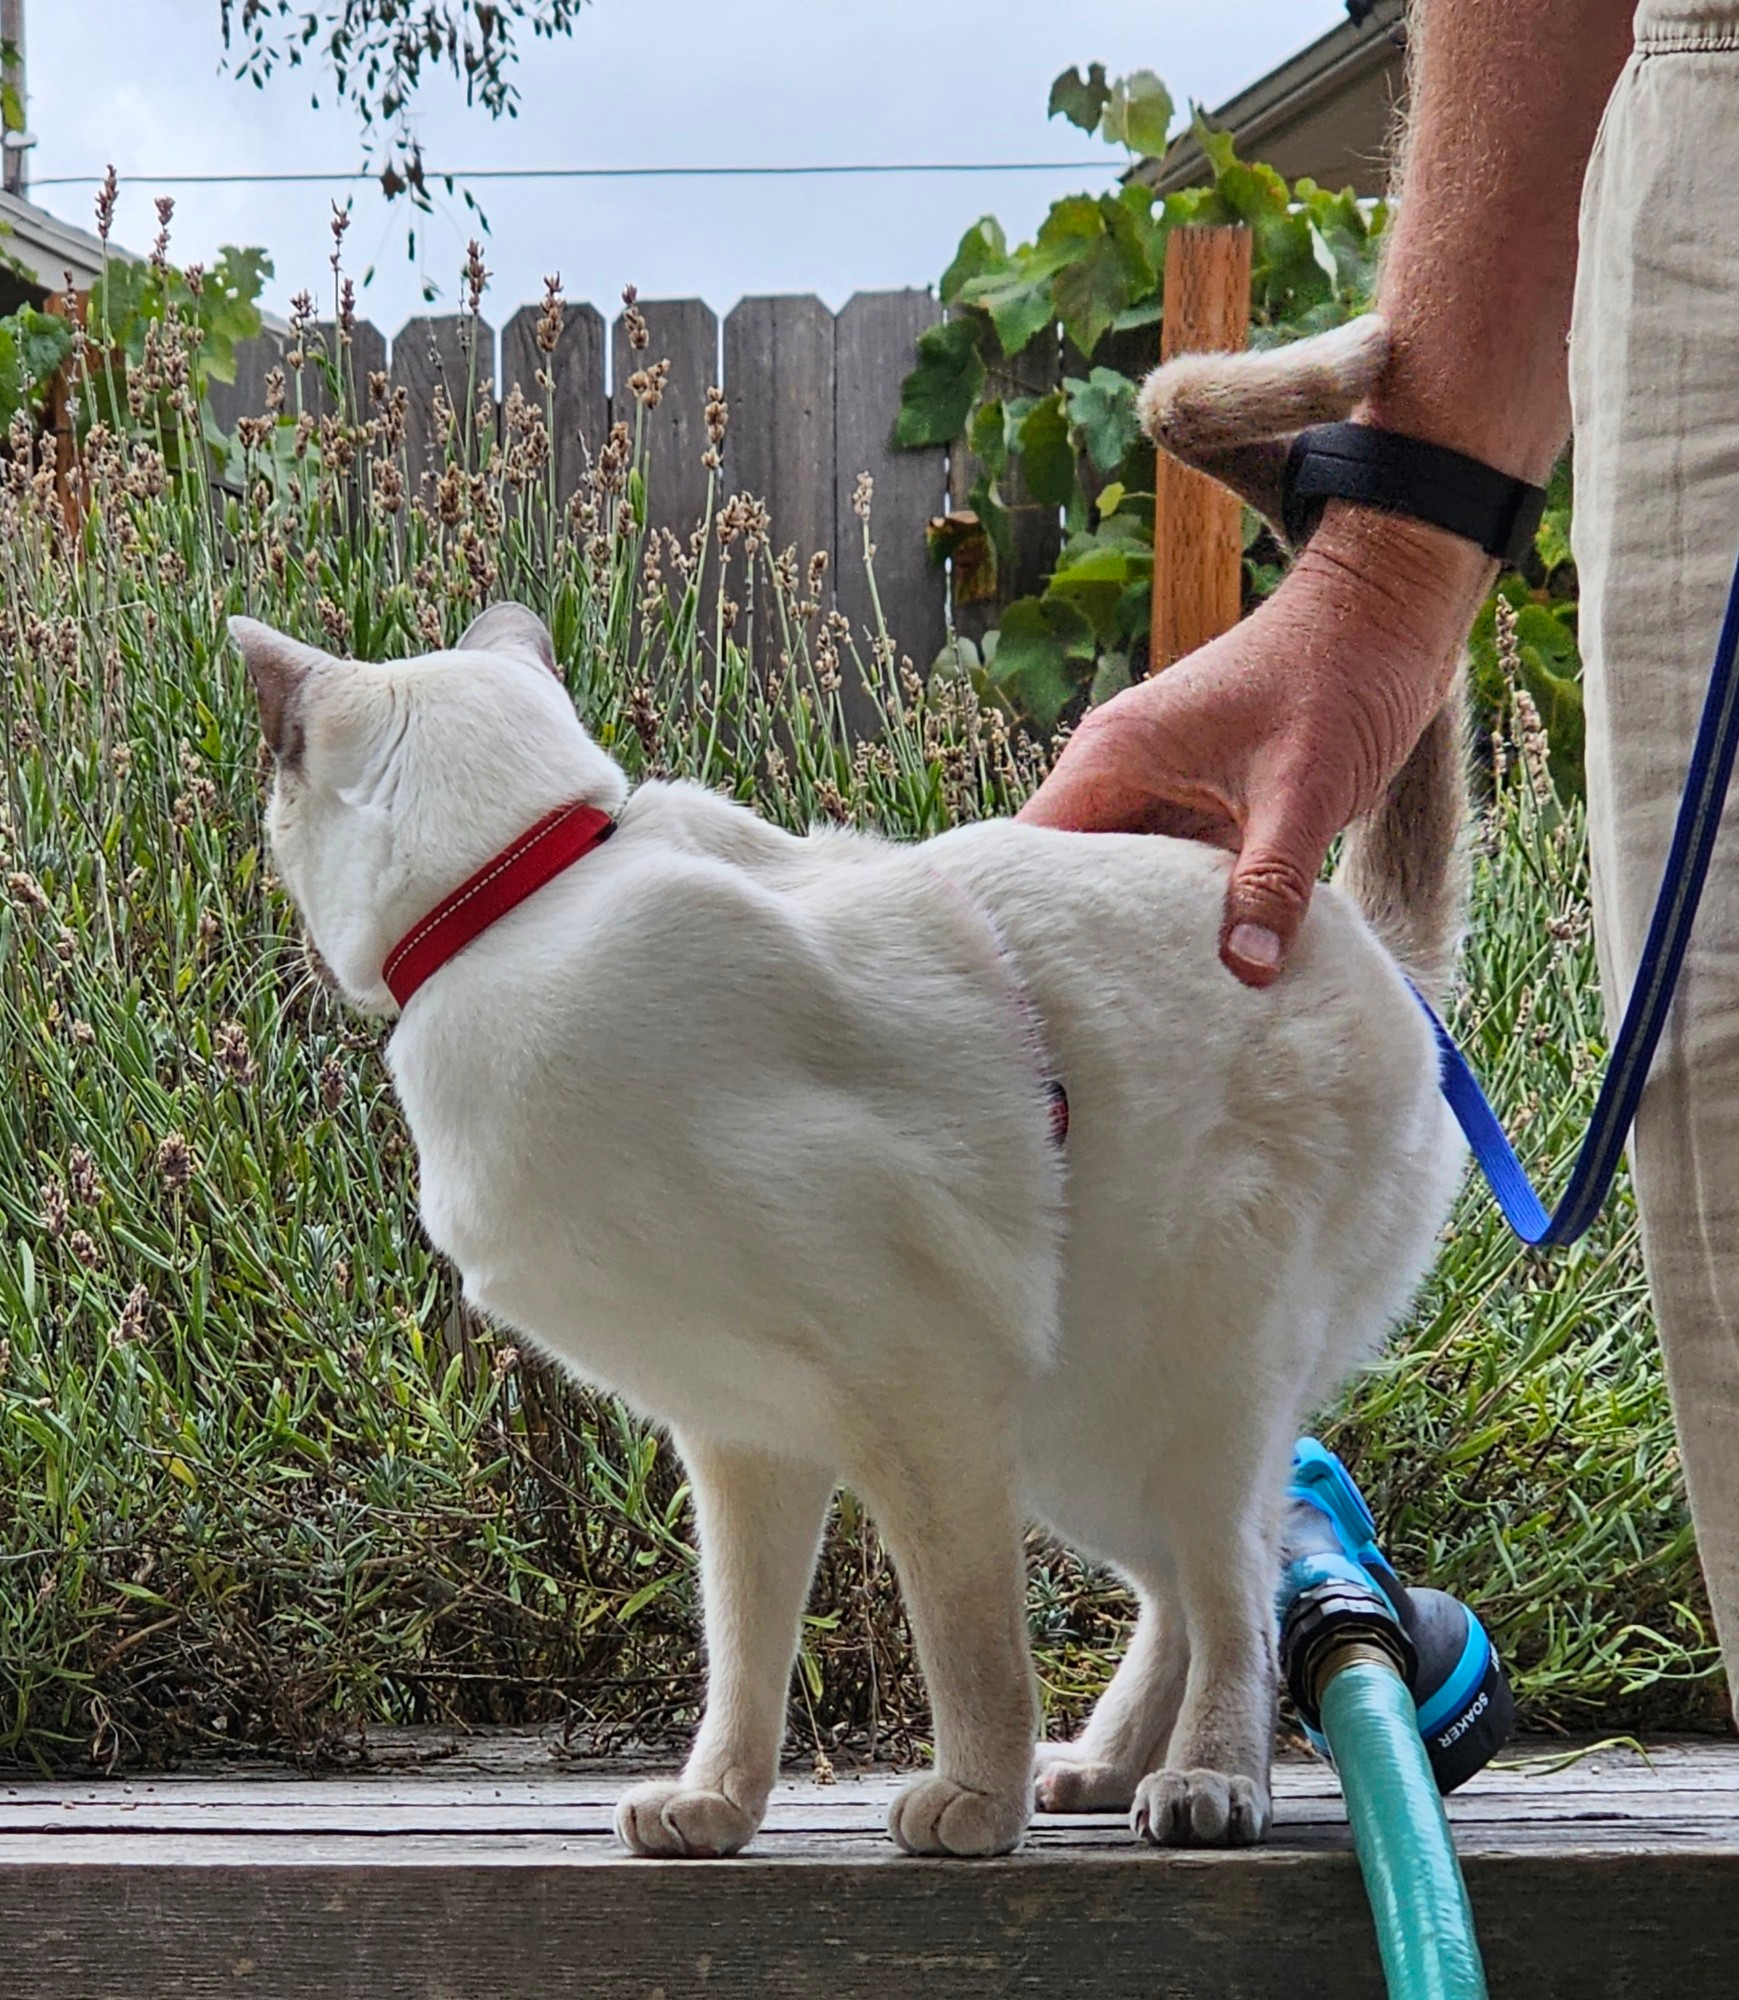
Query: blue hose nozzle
[1336, 1587]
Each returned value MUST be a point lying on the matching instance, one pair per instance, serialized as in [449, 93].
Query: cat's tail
[1406, 862]
[1234, 416]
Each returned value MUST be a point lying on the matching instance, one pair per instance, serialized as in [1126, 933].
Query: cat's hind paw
[1200, 1809]
[936, 1816]
[1065, 1781]
[674, 1822]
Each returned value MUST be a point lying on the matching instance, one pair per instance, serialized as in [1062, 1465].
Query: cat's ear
[279, 667]
[510, 628]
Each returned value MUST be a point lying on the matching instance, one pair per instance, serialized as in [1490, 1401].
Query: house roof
[38, 252]
[42, 249]
[1327, 112]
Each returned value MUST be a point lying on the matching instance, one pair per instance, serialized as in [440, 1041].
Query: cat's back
[721, 1077]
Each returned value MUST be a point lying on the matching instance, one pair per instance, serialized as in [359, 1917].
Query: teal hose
[1418, 1900]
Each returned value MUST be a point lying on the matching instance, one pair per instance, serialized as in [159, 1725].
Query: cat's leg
[1131, 1723]
[1212, 1788]
[954, 1531]
[760, 1521]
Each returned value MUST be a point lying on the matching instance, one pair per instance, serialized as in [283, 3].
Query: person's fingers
[1096, 786]
[1118, 774]
[1285, 839]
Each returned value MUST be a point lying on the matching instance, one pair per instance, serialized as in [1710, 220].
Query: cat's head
[394, 782]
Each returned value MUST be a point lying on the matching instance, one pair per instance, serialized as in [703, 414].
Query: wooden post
[73, 306]
[1197, 524]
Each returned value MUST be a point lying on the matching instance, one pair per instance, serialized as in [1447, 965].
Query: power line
[599, 173]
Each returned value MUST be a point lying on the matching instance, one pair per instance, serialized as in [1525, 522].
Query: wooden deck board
[493, 1873]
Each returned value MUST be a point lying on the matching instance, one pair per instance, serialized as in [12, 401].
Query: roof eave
[1345, 55]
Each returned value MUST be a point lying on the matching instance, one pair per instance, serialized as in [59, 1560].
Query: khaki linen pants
[1654, 368]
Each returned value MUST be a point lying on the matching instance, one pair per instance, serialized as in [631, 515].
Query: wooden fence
[812, 398]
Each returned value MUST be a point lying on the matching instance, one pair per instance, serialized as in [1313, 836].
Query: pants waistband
[1664, 27]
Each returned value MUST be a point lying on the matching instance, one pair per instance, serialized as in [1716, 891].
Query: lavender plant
[262, 1480]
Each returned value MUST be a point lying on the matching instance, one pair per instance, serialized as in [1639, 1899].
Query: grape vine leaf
[982, 249]
[1080, 100]
[1102, 410]
[1047, 456]
[937, 397]
[1042, 645]
[1138, 113]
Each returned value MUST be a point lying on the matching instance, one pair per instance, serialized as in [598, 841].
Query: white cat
[757, 1132]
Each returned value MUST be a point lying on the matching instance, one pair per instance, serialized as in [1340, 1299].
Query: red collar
[557, 841]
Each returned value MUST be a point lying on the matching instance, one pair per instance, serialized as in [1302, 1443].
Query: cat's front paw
[936, 1816]
[1200, 1809]
[675, 1822]
[1066, 1781]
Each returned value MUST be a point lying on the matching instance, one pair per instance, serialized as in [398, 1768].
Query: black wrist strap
[1404, 475]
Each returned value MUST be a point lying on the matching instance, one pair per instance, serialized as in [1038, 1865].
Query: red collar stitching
[556, 842]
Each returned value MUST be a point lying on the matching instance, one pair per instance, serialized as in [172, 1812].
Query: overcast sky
[641, 83]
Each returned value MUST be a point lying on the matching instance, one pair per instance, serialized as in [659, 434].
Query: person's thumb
[1276, 869]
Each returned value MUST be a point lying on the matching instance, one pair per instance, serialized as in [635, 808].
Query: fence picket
[246, 395]
[356, 357]
[437, 353]
[779, 379]
[684, 332]
[873, 354]
[576, 369]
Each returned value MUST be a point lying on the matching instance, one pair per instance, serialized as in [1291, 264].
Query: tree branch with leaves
[378, 54]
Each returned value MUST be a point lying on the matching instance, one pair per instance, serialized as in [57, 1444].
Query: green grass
[260, 1480]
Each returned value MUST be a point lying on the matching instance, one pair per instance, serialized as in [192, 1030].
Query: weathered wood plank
[1609, 1880]
[246, 395]
[492, 1765]
[576, 370]
[850, 1812]
[779, 380]
[1694, 1789]
[332, 356]
[496, 1765]
[353, 360]
[356, 357]
[874, 351]
[456, 355]
[791, 1833]
[368, 1918]
[684, 332]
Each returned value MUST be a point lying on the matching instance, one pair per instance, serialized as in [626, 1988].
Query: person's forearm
[1480, 269]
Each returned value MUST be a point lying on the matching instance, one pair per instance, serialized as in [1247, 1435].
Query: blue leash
[1669, 932]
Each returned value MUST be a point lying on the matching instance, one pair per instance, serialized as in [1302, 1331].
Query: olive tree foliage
[376, 54]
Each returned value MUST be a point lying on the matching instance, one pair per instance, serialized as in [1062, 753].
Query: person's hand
[1275, 736]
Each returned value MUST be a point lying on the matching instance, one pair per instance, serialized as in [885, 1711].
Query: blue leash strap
[1645, 1016]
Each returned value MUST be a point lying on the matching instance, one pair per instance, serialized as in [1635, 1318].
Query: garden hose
[1406, 1854]
[1400, 1689]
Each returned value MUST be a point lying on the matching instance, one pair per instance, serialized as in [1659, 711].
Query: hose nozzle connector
[1331, 1609]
